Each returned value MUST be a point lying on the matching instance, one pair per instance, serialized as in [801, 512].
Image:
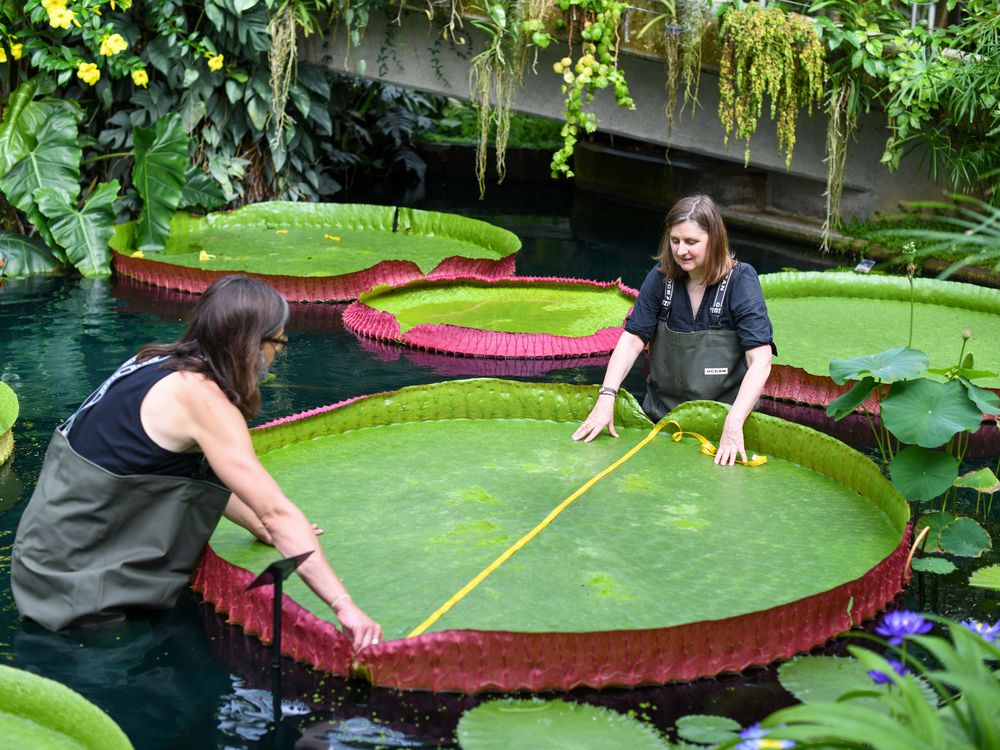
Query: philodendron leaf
[553, 725]
[922, 474]
[981, 480]
[987, 401]
[159, 176]
[200, 191]
[937, 565]
[886, 367]
[22, 256]
[936, 522]
[923, 412]
[986, 578]
[84, 233]
[965, 537]
[705, 729]
[846, 403]
[54, 162]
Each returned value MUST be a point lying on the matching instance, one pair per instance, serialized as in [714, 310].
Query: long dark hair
[224, 335]
[702, 211]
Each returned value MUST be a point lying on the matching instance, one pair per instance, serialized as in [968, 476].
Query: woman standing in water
[125, 502]
[702, 314]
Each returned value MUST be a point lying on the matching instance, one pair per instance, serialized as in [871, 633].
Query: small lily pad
[981, 480]
[937, 565]
[936, 522]
[965, 538]
[986, 578]
[706, 729]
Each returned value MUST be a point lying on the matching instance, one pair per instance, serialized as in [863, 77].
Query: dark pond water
[188, 680]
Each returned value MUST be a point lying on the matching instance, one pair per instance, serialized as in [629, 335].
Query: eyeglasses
[278, 344]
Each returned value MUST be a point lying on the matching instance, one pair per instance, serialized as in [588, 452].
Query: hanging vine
[694, 18]
[283, 58]
[768, 53]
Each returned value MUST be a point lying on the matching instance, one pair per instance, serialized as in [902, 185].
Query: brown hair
[224, 335]
[702, 211]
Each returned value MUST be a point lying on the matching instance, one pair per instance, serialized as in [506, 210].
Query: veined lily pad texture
[42, 714]
[8, 415]
[322, 252]
[667, 568]
[522, 318]
[819, 317]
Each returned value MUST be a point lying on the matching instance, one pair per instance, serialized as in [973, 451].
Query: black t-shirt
[744, 311]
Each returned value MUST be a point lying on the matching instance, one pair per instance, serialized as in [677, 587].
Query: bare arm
[758, 370]
[239, 513]
[627, 350]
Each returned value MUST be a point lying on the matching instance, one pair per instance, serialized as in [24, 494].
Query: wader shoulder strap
[126, 369]
[715, 311]
[668, 299]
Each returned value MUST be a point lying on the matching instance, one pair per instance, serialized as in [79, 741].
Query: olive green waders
[688, 366]
[92, 545]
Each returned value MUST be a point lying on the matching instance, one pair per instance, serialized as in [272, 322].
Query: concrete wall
[408, 55]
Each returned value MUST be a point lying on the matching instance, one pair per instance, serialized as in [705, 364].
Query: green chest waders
[92, 545]
[707, 364]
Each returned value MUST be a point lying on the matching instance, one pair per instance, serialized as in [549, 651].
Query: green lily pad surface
[563, 309]
[421, 489]
[42, 714]
[298, 239]
[818, 317]
[8, 415]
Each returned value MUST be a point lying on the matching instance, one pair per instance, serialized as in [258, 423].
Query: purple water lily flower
[990, 633]
[881, 678]
[755, 738]
[898, 625]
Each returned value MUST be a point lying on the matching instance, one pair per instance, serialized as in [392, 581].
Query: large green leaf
[85, 233]
[846, 403]
[936, 522]
[980, 480]
[54, 162]
[965, 537]
[923, 412]
[986, 578]
[159, 176]
[22, 119]
[552, 725]
[23, 256]
[886, 367]
[200, 190]
[922, 474]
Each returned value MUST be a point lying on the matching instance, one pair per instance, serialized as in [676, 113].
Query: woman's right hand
[601, 416]
[359, 627]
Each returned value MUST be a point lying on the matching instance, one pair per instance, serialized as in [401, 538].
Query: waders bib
[92, 545]
[687, 366]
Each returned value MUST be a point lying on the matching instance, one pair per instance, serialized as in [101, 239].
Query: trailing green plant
[766, 52]
[597, 22]
[967, 227]
[672, 34]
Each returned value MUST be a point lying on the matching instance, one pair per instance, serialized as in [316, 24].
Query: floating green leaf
[986, 578]
[552, 725]
[846, 403]
[159, 176]
[921, 474]
[965, 537]
[84, 234]
[923, 412]
[987, 401]
[981, 480]
[937, 565]
[889, 366]
[24, 256]
[936, 522]
[8, 407]
[705, 729]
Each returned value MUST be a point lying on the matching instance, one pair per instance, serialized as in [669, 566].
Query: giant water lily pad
[319, 252]
[42, 714]
[819, 317]
[508, 318]
[421, 489]
[8, 415]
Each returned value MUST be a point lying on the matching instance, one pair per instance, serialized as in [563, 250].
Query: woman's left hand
[731, 443]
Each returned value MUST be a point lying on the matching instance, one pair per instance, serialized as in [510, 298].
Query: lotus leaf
[987, 401]
[923, 412]
[965, 538]
[922, 474]
[981, 480]
[885, 367]
[936, 522]
[937, 565]
[553, 725]
[986, 578]
[42, 714]
[843, 405]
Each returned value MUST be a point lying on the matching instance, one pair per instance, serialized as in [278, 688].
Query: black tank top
[110, 433]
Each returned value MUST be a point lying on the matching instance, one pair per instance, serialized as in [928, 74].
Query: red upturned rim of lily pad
[341, 288]
[368, 321]
[472, 661]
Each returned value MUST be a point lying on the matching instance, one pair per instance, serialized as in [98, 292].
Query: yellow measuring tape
[707, 448]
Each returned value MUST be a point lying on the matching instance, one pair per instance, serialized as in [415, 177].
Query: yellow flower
[203, 256]
[17, 51]
[49, 5]
[88, 73]
[215, 63]
[112, 44]
[140, 78]
[281, 231]
[3, 56]
[138, 254]
[331, 237]
[60, 17]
